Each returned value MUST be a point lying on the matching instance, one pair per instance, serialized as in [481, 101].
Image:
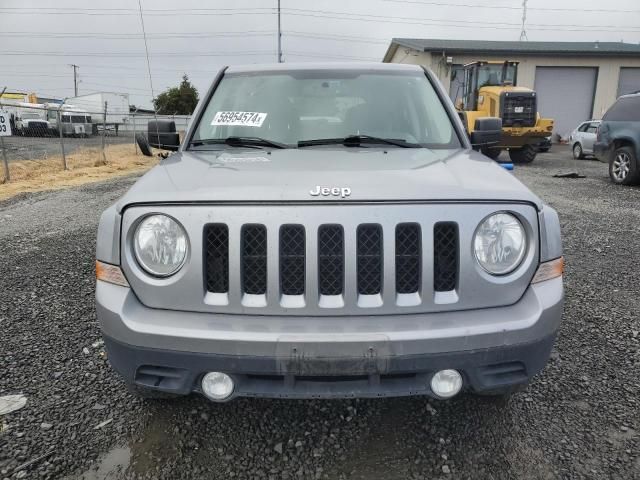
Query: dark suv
[618, 140]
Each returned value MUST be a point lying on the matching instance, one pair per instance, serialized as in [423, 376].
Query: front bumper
[329, 357]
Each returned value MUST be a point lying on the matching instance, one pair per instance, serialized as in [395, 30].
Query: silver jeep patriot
[326, 231]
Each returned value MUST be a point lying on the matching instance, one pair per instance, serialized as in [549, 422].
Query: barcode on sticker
[247, 119]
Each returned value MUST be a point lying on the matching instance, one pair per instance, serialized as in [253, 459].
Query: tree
[180, 100]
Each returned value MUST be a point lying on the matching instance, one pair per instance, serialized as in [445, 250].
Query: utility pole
[279, 36]
[75, 79]
[523, 32]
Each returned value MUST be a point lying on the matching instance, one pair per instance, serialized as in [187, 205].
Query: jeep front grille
[329, 257]
[356, 260]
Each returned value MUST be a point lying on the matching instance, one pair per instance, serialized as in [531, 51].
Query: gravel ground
[579, 419]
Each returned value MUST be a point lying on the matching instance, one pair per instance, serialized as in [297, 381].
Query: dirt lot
[40, 148]
[579, 419]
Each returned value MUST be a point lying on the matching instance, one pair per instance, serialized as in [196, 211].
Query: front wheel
[525, 154]
[578, 154]
[623, 167]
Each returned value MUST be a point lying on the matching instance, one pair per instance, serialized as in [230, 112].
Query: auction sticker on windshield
[247, 119]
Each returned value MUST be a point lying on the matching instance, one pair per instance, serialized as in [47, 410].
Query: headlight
[160, 245]
[500, 243]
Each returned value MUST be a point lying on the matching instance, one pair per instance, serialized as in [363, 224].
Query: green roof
[521, 48]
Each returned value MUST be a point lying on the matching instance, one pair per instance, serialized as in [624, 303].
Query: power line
[433, 21]
[136, 55]
[134, 36]
[171, 11]
[483, 25]
[367, 17]
[131, 12]
[508, 7]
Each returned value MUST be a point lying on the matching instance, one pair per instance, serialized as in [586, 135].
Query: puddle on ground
[110, 466]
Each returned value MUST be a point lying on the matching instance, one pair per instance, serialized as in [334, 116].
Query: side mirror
[162, 134]
[487, 131]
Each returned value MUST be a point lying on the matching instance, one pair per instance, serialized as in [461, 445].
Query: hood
[288, 175]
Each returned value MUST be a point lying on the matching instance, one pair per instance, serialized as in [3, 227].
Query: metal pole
[104, 131]
[75, 79]
[7, 174]
[64, 157]
[279, 36]
[135, 144]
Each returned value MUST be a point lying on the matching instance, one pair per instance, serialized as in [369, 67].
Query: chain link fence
[64, 136]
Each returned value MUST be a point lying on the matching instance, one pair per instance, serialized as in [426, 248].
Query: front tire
[525, 154]
[578, 154]
[623, 167]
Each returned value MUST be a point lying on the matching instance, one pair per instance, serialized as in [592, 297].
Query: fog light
[217, 385]
[446, 383]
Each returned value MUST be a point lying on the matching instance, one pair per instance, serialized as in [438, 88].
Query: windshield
[491, 74]
[30, 116]
[290, 107]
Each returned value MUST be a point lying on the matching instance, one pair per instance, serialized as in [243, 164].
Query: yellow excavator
[489, 89]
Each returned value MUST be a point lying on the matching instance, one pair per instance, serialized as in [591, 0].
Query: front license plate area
[340, 356]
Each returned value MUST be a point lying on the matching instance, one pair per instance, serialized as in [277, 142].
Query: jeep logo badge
[333, 191]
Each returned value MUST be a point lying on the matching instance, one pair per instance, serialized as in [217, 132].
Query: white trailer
[117, 109]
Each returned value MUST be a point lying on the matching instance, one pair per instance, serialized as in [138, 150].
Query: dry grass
[84, 166]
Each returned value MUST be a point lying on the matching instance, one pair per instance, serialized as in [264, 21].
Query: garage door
[629, 81]
[566, 95]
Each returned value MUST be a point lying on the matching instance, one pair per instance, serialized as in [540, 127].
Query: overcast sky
[39, 39]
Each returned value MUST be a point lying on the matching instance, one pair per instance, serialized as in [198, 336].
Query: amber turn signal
[110, 273]
[549, 270]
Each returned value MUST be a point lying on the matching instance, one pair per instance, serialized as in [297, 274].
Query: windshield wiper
[357, 140]
[239, 142]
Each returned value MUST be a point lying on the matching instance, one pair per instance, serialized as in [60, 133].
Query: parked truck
[94, 103]
[70, 119]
